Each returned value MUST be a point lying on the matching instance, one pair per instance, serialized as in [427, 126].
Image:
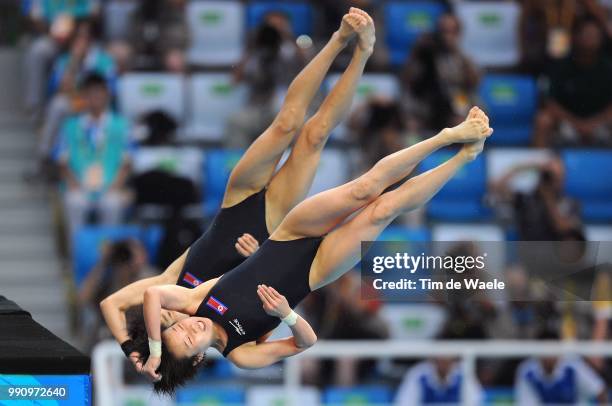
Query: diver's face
[188, 337]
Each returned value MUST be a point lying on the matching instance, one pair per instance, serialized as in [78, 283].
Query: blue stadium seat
[399, 233]
[499, 396]
[218, 164]
[407, 21]
[300, 14]
[585, 180]
[88, 241]
[210, 395]
[461, 198]
[363, 395]
[510, 101]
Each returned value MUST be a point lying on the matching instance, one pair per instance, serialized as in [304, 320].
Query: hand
[135, 360]
[274, 303]
[150, 369]
[365, 29]
[246, 245]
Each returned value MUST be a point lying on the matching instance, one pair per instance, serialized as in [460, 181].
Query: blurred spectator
[159, 35]
[441, 82]
[122, 263]
[557, 380]
[336, 313]
[53, 22]
[94, 156]
[602, 314]
[435, 382]
[579, 109]
[84, 57]
[546, 214]
[38, 60]
[271, 61]
[379, 127]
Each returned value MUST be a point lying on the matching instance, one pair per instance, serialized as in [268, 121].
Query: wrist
[155, 348]
[339, 40]
[290, 319]
[128, 347]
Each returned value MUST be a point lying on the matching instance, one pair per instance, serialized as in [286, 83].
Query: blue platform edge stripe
[79, 388]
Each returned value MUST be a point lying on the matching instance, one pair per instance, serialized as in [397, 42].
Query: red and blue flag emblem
[192, 280]
[216, 305]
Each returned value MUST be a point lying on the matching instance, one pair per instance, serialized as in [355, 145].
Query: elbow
[105, 304]
[308, 342]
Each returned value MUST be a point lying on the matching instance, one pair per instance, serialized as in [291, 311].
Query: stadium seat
[400, 233]
[140, 395]
[183, 161]
[500, 161]
[511, 102]
[88, 241]
[333, 171]
[217, 32]
[361, 395]
[461, 199]
[210, 395]
[370, 85]
[144, 92]
[213, 98]
[218, 165]
[585, 180]
[405, 22]
[117, 15]
[413, 321]
[276, 395]
[490, 32]
[499, 396]
[300, 14]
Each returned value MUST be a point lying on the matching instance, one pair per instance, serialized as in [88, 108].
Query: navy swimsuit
[214, 253]
[233, 302]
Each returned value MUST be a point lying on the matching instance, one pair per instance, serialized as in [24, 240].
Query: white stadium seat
[501, 160]
[370, 85]
[117, 16]
[490, 32]
[182, 161]
[413, 321]
[269, 395]
[213, 99]
[217, 32]
[144, 92]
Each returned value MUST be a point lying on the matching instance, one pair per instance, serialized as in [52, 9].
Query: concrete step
[38, 298]
[18, 271]
[25, 216]
[26, 193]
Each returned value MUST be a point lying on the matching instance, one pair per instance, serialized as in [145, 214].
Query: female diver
[318, 241]
[257, 198]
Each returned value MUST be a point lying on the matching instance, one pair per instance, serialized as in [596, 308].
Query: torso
[232, 301]
[214, 252]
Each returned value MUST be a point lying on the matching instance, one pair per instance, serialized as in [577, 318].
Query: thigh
[256, 167]
[290, 185]
[340, 250]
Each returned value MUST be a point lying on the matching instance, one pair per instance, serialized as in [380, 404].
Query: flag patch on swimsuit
[216, 305]
[192, 280]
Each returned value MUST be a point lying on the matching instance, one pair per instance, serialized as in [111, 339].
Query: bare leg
[341, 249]
[319, 214]
[291, 183]
[256, 167]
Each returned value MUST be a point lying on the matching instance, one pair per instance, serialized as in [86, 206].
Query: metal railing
[108, 358]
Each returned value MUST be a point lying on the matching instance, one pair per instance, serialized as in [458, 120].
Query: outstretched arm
[267, 353]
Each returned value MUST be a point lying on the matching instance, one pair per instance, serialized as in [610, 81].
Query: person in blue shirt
[434, 382]
[94, 156]
[564, 380]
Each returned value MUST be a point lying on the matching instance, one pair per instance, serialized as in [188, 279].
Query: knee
[383, 212]
[316, 132]
[288, 120]
[364, 188]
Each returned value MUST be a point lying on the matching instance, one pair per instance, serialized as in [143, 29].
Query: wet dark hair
[175, 372]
